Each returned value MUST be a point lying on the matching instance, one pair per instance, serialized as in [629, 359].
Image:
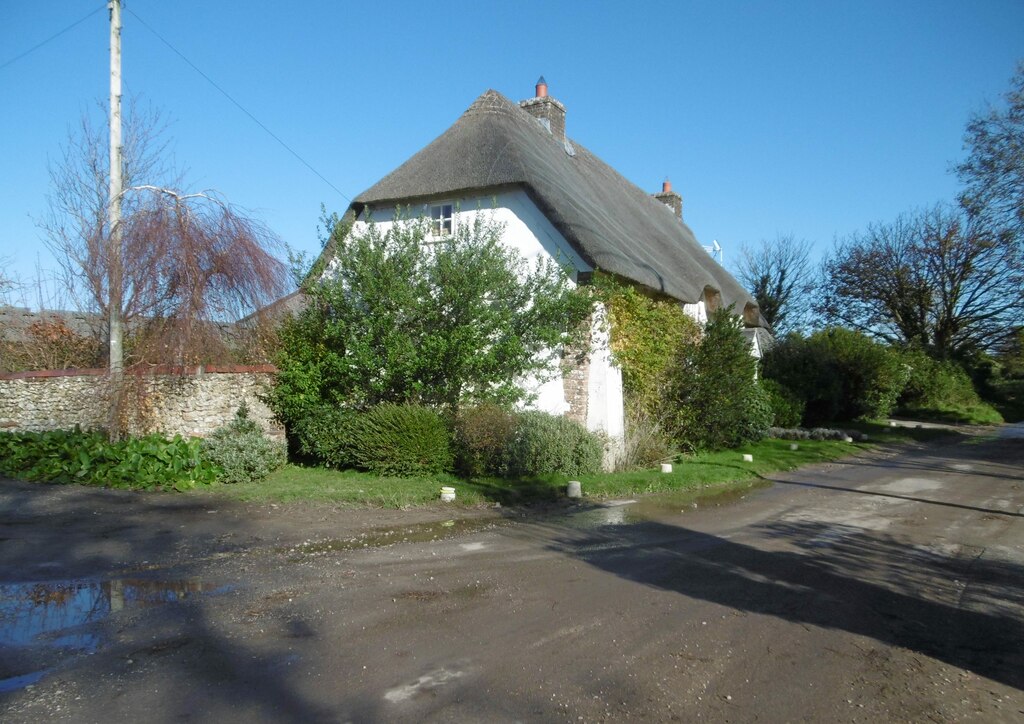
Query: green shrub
[325, 434]
[787, 407]
[715, 400]
[481, 435]
[840, 374]
[544, 444]
[241, 451]
[402, 440]
[935, 383]
[88, 458]
[757, 415]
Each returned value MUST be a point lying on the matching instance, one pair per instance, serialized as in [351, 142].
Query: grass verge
[980, 414]
[350, 488]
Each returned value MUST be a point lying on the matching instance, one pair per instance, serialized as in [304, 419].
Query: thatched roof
[613, 224]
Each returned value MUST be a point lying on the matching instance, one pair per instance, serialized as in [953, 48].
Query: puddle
[20, 682]
[381, 537]
[655, 507]
[62, 614]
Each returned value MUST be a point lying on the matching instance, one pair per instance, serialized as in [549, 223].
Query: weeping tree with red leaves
[190, 263]
[184, 267]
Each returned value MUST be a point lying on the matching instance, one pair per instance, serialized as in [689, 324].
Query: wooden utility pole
[115, 275]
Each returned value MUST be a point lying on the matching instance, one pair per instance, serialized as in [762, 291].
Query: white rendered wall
[698, 312]
[605, 409]
[528, 231]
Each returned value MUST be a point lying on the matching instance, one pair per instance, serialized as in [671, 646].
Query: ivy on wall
[647, 336]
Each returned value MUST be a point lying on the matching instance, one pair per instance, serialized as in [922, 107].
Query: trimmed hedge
[545, 444]
[401, 440]
[481, 435]
[326, 436]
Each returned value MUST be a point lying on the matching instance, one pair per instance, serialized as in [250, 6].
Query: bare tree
[941, 280]
[993, 173]
[7, 284]
[779, 275]
[189, 260]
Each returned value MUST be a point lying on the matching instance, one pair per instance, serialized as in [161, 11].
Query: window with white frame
[442, 221]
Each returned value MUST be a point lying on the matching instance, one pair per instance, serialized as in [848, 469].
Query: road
[886, 587]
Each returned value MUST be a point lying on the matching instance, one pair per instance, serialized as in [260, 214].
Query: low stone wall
[192, 401]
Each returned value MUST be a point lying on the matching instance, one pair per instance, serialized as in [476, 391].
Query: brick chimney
[546, 109]
[670, 198]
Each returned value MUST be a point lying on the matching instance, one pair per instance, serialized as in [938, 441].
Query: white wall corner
[605, 404]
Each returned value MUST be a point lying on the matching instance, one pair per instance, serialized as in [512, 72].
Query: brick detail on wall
[191, 402]
[576, 377]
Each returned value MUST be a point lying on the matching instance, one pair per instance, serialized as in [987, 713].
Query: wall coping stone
[195, 370]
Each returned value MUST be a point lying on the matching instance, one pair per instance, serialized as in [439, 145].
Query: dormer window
[441, 220]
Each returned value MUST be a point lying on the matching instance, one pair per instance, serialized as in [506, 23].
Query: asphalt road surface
[887, 587]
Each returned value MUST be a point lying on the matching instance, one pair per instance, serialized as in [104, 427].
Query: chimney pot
[670, 198]
[546, 109]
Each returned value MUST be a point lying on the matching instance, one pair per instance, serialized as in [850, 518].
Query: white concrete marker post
[748, 458]
[793, 446]
[574, 489]
[666, 467]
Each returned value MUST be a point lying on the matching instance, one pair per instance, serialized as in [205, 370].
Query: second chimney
[546, 109]
[670, 198]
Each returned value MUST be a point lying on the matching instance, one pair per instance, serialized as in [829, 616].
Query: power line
[56, 35]
[238, 105]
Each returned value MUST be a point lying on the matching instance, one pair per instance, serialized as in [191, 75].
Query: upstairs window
[441, 221]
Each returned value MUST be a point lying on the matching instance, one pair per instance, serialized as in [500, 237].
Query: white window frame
[442, 226]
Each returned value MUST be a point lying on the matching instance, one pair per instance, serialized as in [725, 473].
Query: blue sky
[804, 118]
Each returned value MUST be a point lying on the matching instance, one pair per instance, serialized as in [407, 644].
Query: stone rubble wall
[192, 402]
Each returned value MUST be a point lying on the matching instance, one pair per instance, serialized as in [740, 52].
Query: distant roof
[615, 226]
[15, 321]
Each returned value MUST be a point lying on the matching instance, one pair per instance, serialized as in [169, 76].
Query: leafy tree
[714, 395]
[779, 275]
[994, 170]
[940, 280]
[397, 316]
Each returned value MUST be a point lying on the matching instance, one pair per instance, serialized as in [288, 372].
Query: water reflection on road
[62, 614]
[656, 507]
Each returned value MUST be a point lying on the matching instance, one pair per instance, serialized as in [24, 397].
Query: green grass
[979, 414]
[348, 488]
[716, 468]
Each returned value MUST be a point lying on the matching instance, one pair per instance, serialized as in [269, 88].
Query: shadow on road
[835, 577]
[929, 501]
